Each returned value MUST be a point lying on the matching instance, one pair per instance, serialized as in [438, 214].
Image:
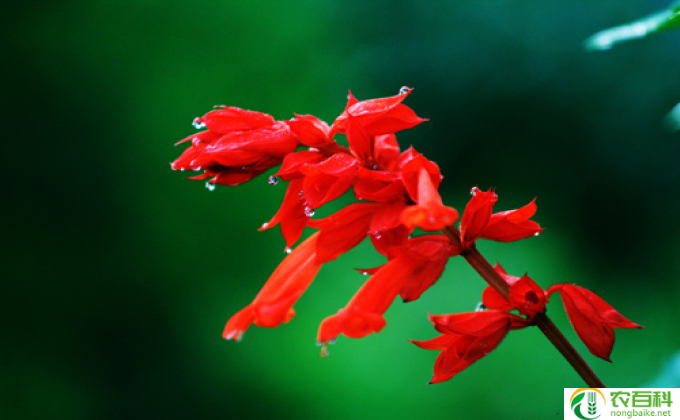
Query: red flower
[592, 318]
[412, 269]
[506, 226]
[466, 338]
[378, 116]
[237, 146]
[525, 295]
[512, 225]
[274, 304]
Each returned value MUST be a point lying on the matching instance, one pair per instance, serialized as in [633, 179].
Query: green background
[118, 274]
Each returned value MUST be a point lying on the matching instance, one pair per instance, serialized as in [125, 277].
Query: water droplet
[288, 250]
[309, 212]
[198, 123]
[473, 191]
[192, 163]
[210, 186]
[365, 273]
[273, 180]
[377, 235]
[265, 225]
[198, 168]
[195, 141]
[480, 307]
[181, 169]
[219, 106]
[404, 89]
[301, 193]
[537, 233]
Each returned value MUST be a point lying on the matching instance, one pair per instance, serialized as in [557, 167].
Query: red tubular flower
[525, 295]
[593, 319]
[466, 338]
[327, 180]
[363, 314]
[430, 213]
[378, 185]
[512, 225]
[343, 230]
[476, 215]
[274, 304]
[378, 116]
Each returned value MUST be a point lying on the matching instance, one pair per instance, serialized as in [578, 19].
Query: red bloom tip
[292, 214]
[476, 215]
[593, 319]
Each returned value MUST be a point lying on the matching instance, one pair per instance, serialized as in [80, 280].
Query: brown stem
[482, 266]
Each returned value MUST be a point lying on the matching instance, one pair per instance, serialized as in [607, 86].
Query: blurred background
[119, 274]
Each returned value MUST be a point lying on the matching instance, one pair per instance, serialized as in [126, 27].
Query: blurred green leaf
[656, 22]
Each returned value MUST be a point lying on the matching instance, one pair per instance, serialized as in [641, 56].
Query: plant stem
[482, 266]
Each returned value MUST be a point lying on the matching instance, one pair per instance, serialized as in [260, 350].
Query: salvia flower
[398, 193]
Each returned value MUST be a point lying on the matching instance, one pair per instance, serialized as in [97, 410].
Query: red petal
[229, 119]
[273, 305]
[528, 297]
[592, 318]
[386, 150]
[293, 163]
[239, 323]
[291, 214]
[328, 180]
[384, 240]
[429, 214]
[476, 215]
[343, 230]
[310, 130]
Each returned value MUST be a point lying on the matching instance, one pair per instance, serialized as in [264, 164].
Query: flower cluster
[397, 192]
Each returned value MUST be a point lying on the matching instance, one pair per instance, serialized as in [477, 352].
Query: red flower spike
[329, 179]
[293, 163]
[430, 213]
[467, 338]
[343, 230]
[593, 319]
[291, 215]
[512, 225]
[528, 297]
[476, 215]
[274, 304]
[378, 116]
[310, 130]
[363, 315]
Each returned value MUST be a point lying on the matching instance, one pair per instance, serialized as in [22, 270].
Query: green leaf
[656, 22]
